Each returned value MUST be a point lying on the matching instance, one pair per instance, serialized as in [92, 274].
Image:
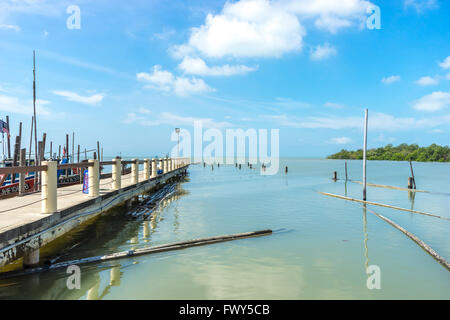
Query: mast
[34, 117]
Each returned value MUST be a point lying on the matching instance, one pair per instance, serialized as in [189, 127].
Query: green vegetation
[403, 152]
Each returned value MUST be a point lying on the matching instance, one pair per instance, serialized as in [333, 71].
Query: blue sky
[137, 69]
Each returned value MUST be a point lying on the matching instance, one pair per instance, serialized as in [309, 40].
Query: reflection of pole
[365, 155]
[366, 237]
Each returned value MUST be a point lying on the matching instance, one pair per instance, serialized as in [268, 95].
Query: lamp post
[177, 130]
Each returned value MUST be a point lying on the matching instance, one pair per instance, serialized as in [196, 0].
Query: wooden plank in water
[381, 205]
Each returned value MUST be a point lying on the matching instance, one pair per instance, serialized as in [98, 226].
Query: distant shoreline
[402, 152]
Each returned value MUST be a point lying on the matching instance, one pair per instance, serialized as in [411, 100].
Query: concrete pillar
[94, 180]
[135, 171]
[117, 174]
[153, 168]
[49, 185]
[147, 169]
[165, 165]
[31, 258]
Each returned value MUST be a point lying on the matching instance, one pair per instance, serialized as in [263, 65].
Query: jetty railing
[49, 175]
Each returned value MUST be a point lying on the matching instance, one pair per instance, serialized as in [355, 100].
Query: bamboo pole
[36, 181]
[381, 205]
[142, 251]
[416, 239]
[365, 154]
[8, 138]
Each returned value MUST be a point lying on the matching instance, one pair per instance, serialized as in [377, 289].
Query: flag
[4, 127]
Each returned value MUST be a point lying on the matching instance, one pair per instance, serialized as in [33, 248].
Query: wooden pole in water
[365, 154]
[412, 174]
[59, 152]
[346, 176]
[141, 251]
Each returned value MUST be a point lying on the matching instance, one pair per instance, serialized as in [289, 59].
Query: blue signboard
[86, 182]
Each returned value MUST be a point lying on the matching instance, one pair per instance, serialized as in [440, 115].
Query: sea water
[321, 247]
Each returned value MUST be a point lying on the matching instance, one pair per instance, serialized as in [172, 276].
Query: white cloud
[341, 140]
[9, 27]
[163, 80]
[391, 79]
[197, 66]
[331, 15]
[433, 102]
[427, 81]
[334, 105]
[446, 63]
[421, 5]
[248, 28]
[75, 97]
[167, 118]
[16, 105]
[377, 122]
[322, 52]
[263, 28]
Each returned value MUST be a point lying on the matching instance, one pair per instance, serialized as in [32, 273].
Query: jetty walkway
[29, 222]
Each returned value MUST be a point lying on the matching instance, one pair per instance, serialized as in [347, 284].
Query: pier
[31, 221]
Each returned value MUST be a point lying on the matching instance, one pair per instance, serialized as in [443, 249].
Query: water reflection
[111, 233]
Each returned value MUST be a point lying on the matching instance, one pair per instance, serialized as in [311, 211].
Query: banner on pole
[86, 182]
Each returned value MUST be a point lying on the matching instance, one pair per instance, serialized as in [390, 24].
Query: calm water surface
[321, 252]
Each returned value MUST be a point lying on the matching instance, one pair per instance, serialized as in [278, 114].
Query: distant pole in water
[346, 176]
[335, 175]
[204, 164]
[365, 154]
[412, 175]
[239, 166]
[212, 167]
[286, 170]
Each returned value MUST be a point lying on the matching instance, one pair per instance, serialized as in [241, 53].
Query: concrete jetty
[29, 222]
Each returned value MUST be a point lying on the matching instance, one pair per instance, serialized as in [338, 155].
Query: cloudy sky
[134, 70]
